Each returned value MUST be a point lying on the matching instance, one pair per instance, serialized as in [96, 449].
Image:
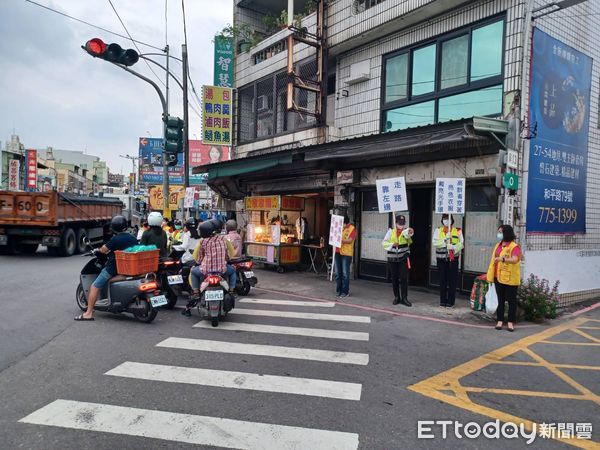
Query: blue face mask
[178, 227]
[499, 236]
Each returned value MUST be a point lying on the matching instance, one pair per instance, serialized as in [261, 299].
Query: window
[262, 110]
[459, 75]
[363, 5]
[423, 70]
[455, 58]
[396, 78]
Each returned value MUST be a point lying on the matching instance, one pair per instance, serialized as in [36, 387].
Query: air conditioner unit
[262, 103]
[359, 72]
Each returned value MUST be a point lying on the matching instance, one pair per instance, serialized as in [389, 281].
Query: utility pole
[186, 128]
[135, 174]
[166, 211]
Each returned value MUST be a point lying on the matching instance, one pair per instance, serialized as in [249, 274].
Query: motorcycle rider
[155, 235]
[178, 225]
[121, 240]
[234, 237]
[189, 240]
[212, 254]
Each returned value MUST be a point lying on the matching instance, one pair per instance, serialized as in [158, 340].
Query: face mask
[177, 227]
[499, 236]
[446, 222]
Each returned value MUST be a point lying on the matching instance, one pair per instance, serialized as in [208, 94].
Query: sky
[53, 94]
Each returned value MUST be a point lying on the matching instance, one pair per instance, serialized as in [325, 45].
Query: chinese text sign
[31, 166]
[335, 230]
[13, 174]
[391, 195]
[223, 61]
[217, 115]
[450, 195]
[202, 155]
[559, 108]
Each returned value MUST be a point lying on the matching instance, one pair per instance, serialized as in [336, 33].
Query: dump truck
[62, 222]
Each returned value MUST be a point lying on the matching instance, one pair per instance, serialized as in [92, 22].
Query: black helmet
[191, 223]
[118, 224]
[217, 224]
[206, 229]
[177, 223]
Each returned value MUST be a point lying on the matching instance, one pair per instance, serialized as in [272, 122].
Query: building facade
[407, 88]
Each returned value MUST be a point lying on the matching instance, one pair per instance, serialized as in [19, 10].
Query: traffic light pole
[186, 129]
[166, 211]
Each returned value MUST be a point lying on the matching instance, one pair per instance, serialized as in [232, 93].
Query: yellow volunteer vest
[347, 249]
[509, 274]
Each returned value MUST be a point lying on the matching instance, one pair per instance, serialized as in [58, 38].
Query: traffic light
[111, 52]
[173, 139]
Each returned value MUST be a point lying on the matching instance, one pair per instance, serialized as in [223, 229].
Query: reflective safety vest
[441, 249]
[392, 238]
[505, 273]
[347, 249]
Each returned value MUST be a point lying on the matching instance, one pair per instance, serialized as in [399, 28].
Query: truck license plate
[249, 274]
[158, 300]
[213, 295]
[175, 279]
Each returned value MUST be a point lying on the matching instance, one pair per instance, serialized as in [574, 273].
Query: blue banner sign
[559, 108]
[151, 163]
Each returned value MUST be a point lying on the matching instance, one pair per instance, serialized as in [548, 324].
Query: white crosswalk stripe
[266, 350]
[300, 315]
[266, 301]
[222, 431]
[239, 380]
[186, 428]
[277, 329]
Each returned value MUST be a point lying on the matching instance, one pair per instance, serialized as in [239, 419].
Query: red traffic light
[95, 47]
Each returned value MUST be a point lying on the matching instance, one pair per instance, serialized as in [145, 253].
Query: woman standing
[448, 242]
[505, 272]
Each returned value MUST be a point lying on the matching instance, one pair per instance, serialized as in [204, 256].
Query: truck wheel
[81, 237]
[28, 249]
[9, 249]
[68, 242]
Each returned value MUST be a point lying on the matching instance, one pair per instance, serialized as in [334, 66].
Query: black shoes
[405, 302]
[396, 301]
[186, 313]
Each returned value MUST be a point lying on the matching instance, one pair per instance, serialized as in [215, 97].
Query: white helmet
[155, 219]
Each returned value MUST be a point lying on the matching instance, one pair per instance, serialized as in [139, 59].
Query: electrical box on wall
[359, 72]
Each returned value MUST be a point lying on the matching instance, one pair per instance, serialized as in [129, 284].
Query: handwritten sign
[450, 195]
[14, 166]
[155, 196]
[190, 194]
[335, 231]
[391, 195]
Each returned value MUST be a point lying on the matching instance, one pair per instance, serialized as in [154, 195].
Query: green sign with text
[511, 181]
[223, 61]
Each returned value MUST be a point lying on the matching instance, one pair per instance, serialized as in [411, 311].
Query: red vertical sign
[31, 182]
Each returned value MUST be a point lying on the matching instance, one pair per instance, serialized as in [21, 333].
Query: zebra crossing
[222, 431]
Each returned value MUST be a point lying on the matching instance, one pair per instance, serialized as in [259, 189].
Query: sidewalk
[368, 293]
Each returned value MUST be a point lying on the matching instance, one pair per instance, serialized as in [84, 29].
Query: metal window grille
[362, 5]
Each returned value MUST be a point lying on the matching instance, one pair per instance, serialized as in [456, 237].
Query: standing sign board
[31, 165]
[335, 231]
[216, 115]
[391, 195]
[151, 163]
[558, 154]
[14, 167]
[450, 195]
[188, 201]
[223, 61]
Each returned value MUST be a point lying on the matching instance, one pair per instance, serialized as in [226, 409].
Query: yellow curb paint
[449, 380]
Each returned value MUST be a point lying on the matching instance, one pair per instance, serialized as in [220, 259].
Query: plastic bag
[491, 300]
[140, 248]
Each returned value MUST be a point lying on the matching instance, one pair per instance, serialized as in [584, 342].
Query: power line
[166, 25]
[132, 40]
[91, 24]
[184, 26]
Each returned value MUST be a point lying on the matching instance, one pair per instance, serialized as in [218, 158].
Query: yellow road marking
[589, 328]
[438, 385]
[586, 335]
[584, 344]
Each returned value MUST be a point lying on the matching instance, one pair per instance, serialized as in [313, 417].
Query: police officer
[448, 242]
[397, 243]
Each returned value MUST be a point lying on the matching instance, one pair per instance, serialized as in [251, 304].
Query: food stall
[271, 236]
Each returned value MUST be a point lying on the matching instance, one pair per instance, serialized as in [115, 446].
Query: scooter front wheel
[80, 297]
[214, 321]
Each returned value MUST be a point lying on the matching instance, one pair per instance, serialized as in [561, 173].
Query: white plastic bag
[491, 300]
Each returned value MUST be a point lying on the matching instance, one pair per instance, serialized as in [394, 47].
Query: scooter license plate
[175, 279]
[159, 300]
[213, 295]
[249, 274]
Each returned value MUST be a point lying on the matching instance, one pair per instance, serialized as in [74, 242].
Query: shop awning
[417, 143]
[245, 165]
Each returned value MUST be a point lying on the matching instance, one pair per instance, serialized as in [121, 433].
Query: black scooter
[137, 295]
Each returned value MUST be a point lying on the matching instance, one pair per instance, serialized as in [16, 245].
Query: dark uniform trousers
[399, 272]
[448, 275]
